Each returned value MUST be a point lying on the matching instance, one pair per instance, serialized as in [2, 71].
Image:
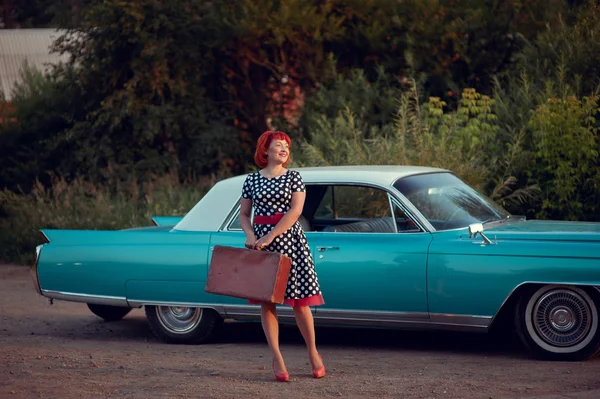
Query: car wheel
[108, 312]
[559, 322]
[182, 325]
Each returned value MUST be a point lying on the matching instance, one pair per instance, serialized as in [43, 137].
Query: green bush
[419, 135]
[566, 157]
[413, 133]
[557, 131]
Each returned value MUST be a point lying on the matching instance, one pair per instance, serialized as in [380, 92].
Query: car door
[370, 258]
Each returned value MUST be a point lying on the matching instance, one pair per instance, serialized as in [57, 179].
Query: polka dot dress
[274, 195]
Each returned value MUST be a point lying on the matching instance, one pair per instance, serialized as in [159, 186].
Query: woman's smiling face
[279, 151]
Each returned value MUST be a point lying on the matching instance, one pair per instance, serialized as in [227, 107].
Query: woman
[277, 195]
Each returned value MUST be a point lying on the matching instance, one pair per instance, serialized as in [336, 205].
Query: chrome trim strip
[401, 320]
[402, 324]
[138, 303]
[252, 312]
[358, 318]
[34, 270]
[372, 315]
[351, 233]
[461, 320]
[391, 205]
[541, 283]
[86, 298]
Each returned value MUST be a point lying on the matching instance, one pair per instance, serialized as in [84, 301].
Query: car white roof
[384, 175]
[211, 211]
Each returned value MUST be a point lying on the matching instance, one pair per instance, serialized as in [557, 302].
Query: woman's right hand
[250, 242]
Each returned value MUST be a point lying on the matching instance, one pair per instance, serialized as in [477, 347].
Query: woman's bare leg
[306, 325]
[270, 326]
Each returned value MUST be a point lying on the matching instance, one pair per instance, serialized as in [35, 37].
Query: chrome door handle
[323, 249]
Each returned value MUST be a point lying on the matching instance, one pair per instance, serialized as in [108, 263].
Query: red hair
[263, 143]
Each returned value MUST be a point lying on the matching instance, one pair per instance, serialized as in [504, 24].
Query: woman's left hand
[264, 242]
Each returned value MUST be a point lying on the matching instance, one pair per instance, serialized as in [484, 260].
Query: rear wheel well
[108, 312]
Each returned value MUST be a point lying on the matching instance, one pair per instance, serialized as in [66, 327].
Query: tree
[140, 67]
[574, 43]
[464, 43]
[269, 53]
[40, 13]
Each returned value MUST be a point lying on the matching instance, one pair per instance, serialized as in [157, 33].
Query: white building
[18, 46]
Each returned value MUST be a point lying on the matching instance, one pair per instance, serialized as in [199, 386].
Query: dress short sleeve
[247, 188]
[297, 183]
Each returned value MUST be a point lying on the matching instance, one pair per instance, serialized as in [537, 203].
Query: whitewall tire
[559, 322]
[182, 325]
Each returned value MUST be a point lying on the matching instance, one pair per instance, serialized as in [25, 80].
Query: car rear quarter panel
[152, 265]
[472, 279]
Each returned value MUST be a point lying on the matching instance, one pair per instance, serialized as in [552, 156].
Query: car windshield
[447, 202]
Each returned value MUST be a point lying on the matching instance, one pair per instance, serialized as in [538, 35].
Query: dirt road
[63, 351]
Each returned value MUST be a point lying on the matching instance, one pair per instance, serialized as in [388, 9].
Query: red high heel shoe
[320, 372]
[280, 376]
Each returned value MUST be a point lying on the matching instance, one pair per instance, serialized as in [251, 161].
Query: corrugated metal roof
[25, 45]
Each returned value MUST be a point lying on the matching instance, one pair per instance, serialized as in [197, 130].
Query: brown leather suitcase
[248, 274]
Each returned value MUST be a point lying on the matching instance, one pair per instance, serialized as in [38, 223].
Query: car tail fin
[50, 235]
[98, 237]
[45, 236]
[59, 236]
[165, 220]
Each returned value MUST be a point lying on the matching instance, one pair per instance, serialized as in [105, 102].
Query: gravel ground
[64, 351]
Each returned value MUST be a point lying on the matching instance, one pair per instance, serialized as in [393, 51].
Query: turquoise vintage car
[394, 247]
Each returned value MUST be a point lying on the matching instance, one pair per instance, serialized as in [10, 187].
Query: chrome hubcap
[179, 319]
[562, 318]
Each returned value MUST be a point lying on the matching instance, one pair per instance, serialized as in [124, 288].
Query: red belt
[268, 219]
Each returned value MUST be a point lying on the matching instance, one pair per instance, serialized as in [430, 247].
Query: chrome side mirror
[477, 228]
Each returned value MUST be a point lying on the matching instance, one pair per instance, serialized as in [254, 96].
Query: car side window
[354, 202]
[359, 209]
